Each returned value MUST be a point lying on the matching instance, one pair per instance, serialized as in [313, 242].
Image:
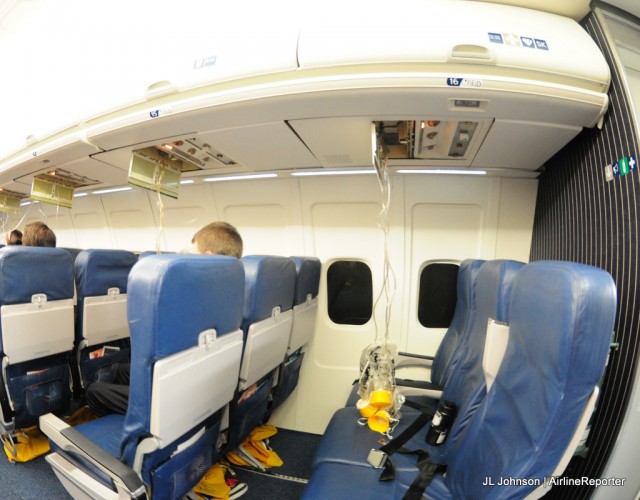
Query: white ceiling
[576, 9]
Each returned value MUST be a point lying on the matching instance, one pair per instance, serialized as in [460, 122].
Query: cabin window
[349, 292]
[437, 295]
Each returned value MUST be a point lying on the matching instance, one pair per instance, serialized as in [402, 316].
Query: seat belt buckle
[377, 458]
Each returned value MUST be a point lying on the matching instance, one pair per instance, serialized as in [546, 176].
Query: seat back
[466, 386]
[305, 308]
[267, 319]
[561, 318]
[448, 353]
[305, 301]
[101, 281]
[36, 331]
[185, 313]
[101, 319]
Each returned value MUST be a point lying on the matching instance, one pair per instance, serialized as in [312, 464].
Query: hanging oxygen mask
[379, 402]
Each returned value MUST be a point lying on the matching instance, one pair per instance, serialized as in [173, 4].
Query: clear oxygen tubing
[5, 221]
[388, 288]
[160, 204]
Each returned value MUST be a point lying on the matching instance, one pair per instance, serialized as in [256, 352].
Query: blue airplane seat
[269, 290]
[73, 251]
[102, 329]
[346, 441]
[561, 318]
[36, 333]
[305, 308]
[184, 313]
[450, 349]
[149, 253]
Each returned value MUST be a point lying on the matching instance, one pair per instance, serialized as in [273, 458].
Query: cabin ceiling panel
[338, 142]
[504, 146]
[576, 9]
[267, 146]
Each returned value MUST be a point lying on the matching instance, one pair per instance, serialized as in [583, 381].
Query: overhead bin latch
[472, 53]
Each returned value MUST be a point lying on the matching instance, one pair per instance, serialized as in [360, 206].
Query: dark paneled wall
[582, 218]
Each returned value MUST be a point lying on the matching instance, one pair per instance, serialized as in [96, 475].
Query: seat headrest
[448, 353]
[98, 270]
[307, 278]
[269, 282]
[493, 288]
[25, 271]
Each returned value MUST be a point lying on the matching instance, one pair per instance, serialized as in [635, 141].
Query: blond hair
[218, 238]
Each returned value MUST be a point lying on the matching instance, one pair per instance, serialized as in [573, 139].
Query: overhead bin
[448, 36]
[507, 86]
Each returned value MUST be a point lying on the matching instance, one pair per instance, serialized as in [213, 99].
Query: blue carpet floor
[296, 449]
[30, 481]
[36, 480]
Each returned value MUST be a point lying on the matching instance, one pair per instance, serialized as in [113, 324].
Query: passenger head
[38, 234]
[218, 238]
[14, 237]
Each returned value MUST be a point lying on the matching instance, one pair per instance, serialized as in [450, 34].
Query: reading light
[239, 177]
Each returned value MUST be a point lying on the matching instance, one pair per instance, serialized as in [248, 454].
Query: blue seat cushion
[106, 432]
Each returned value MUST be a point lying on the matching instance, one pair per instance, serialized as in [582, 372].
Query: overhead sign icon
[616, 169]
[513, 40]
[495, 38]
[608, 173]
[632, 162]
[541, 44]
[624, 165]
[527, 42]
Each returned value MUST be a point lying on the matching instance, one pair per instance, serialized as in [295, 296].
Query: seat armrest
[407, 359]
[410, 388]
[73, 442]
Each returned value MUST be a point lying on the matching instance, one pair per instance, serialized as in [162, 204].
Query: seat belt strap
[392, 446]
[428, 470]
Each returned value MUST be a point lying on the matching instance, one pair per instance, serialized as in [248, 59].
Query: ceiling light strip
[442, 171]
[239, 177]
[310, 173]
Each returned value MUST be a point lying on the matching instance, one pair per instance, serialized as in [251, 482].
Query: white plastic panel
[521, 41]
[265, 347]
[503, 146]
[569, 452]
[185, 45]
[198, 382]
[130, 219]
[90, 223]
[304, 324]
[266, 146]
[495, 346]
[32, 331]
[338, 142]
[105, 318]
[263, 225]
